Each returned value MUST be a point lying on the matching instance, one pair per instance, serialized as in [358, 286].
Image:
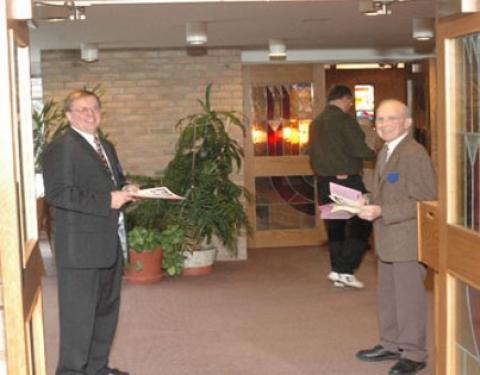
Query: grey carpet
[274, 314]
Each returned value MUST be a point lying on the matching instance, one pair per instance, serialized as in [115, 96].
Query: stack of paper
[346, 203]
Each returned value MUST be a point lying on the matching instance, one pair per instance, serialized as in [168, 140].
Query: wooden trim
[458, 25]
[465, 260]
[282, 166]
[32, 279]
[428, 233]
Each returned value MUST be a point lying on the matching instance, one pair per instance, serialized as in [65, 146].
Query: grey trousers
[402, 308]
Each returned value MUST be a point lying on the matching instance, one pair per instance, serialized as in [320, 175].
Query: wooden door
[280, 102]
[21, 263]
[457, 302]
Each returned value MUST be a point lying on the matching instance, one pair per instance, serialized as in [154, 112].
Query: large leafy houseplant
[206, 156]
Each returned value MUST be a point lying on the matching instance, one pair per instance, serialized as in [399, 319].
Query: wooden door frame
[464, 263]
[21, 262]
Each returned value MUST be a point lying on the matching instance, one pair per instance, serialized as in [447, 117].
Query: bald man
[403, 176]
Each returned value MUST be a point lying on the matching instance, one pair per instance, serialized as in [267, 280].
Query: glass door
[280, 103]
[457, 302]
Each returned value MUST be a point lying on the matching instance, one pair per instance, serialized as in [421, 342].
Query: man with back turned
[337, 150]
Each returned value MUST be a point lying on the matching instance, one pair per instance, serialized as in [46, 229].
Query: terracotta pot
[41, 212]
[145, 267]
[199, 262]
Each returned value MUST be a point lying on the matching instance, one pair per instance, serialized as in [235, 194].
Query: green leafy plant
[206, 156]
[48, 122]
[173, 240]
[144, 239]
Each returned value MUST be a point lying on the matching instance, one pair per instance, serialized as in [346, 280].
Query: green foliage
[173, 240]
[205, 157]
[144, 239]
[48, 123]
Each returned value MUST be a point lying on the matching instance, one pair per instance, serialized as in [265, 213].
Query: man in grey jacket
[337, 150]
[403, 176]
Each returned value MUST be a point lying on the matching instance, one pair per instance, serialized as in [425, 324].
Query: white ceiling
[307, 27]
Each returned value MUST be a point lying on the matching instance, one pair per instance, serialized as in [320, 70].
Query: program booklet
[345, 198]
[157, 193]
[346, 202]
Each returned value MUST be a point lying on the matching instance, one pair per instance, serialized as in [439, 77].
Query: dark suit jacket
[408, 177]
[78, 185]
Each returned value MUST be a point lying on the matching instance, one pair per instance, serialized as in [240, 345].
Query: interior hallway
[275, 314]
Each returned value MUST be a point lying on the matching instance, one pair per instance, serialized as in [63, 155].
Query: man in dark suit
[84, 181]
[403, 176]
[337, 150]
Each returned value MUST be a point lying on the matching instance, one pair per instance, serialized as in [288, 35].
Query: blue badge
[393, 177]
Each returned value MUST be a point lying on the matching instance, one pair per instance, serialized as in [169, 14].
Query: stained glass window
[282, 116]
[466, 139]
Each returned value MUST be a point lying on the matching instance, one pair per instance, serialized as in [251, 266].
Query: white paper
[157, 193]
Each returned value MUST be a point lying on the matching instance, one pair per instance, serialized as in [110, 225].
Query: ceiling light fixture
[423, 28]
[277, 49]
[89, 52]
[197, 33]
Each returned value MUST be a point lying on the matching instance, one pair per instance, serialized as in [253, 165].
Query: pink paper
[326, 213]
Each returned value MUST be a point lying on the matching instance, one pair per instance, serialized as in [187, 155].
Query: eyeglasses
[380, 120]
[85, 111]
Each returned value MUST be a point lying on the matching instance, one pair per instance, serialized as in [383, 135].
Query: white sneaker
[333, 276]
[350, 280]
[338, 284]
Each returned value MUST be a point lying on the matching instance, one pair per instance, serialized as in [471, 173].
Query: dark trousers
[89, 302]
[347, 239]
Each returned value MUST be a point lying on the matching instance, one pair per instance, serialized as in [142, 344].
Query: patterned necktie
[103, 158]
[382, 159]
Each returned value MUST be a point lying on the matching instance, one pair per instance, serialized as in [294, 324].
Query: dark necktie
[101, 155]
[122, 234]
[382, 159]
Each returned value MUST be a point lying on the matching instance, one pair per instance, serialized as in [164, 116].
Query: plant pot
[145, 267]
[199, 262]
[41, 214]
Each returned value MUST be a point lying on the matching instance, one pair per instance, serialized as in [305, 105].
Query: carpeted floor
[274, 314]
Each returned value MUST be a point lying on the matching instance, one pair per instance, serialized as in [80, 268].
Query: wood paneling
[428, 234]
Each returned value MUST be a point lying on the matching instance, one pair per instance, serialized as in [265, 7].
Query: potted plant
[145, 264]
[206, 156]
[150, 215]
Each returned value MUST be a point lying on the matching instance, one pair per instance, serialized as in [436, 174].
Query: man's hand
[370, 212]
[131, 188]
[119, 198]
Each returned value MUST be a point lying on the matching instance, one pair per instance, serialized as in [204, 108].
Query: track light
[277, 49]
[197, 33]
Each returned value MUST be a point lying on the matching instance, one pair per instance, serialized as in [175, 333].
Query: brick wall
[146, 92]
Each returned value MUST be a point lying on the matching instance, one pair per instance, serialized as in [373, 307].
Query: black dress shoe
[406, 366]
[377, 354]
